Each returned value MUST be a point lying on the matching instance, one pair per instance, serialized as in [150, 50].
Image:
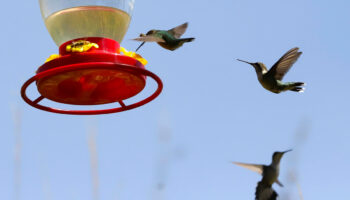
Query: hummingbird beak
[287, 151]
[245, 61]
[140, 37]
[140, 46]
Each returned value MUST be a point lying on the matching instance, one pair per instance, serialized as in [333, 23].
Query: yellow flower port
[134, 55]
[52, 57]
[81, 46]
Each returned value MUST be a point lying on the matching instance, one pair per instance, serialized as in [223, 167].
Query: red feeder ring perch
[99, 76]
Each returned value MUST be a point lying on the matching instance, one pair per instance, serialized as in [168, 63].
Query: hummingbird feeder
[90, 68]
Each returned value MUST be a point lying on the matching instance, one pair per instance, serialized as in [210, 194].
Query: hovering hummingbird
[270, 173]
[272, 79]
[169, 39]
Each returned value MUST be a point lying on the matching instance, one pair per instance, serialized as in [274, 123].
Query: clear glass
[70, 19]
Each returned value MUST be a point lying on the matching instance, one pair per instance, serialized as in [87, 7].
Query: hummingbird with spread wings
[270, 173]
[272, 79]
[168, 39]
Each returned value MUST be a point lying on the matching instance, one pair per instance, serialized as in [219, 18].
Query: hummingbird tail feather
[265, 192]
[187, 39]
[296, 87]
[299, 84]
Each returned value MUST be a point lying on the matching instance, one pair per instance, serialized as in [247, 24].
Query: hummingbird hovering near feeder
[169, 39]
[270, 173]
[272, 79]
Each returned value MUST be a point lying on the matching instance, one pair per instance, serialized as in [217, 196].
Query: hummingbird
[272, 79]
[270, 173]
[169, 39]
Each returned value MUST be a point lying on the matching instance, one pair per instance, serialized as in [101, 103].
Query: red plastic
[99, 76]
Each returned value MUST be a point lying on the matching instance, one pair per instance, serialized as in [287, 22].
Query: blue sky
[212, 107]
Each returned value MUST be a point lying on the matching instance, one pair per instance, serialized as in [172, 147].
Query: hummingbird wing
[178, 31]
[253, 167]
[149, 38]
[282, 66]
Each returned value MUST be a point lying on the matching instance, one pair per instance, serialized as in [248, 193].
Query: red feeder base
[99, 76]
